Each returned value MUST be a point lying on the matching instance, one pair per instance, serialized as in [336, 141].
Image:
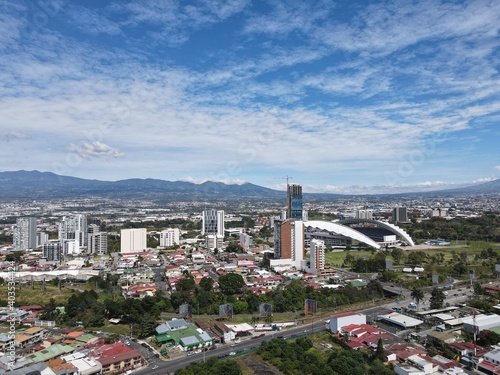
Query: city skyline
[343, 98]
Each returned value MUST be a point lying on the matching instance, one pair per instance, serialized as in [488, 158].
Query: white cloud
[357, 115]
[14, 135]
[96, 149]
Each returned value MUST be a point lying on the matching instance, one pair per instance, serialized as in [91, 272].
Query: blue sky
[375, 96]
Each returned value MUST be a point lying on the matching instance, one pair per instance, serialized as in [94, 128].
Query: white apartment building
[133, 240]
[24, 235]
[169, 237]
[74, 228]
[97, 240]
[364, 214]
[317, 257]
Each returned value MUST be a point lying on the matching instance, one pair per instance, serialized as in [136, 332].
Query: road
[244, 346]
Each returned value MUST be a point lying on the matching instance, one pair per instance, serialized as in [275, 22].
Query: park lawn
[336, 258]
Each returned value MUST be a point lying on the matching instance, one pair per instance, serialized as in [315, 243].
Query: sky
[338, 96]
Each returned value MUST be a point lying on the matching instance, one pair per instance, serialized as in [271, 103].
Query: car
[191, 353]
[212, 348]
[232, 353]
[232, 345]
[155, 367]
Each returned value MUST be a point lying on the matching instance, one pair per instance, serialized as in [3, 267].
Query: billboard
[186, 311]
[310, 306]
[226, 312]
[265, 309]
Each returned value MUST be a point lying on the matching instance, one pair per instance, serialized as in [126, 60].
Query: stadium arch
[401, 233]
[343, 230]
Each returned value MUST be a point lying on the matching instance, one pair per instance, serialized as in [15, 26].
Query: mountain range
[35, 185]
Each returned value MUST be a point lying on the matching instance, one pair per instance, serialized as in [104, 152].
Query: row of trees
[484, 228]
[289, 297]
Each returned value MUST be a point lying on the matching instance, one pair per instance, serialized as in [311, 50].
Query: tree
[234, 247]
[397, 255]
[418, 295]
[437, 299]
[379, 353]
[231, 283]
[185, 285]
[206, 284]
[488, 338]
[16, 257]
[478, 288]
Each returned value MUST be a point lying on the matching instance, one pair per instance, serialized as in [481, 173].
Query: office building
[24, 235]
[400, 215]
[170, 237]
[97, 241]
[212, 227]
[52, 251]
[133, 240]
[213, 222]
[294, 202]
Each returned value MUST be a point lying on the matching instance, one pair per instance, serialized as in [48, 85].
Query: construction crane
[287, 178]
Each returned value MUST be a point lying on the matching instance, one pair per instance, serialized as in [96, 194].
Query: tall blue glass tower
[294, 202]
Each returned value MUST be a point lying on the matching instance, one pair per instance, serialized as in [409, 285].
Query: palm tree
[417, 294]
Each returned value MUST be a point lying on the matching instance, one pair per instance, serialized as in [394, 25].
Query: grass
[37, 296]
[336, 258]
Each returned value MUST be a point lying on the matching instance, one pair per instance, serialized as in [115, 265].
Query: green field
[336, 258]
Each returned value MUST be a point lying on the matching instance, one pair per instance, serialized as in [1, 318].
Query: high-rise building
[294, 202]
[212, 227]
[364, 214]
[213, 222]
[133, 240]
[41, 238]
[74, 228]
[317, 257]
[97, 241]
[289, 241]
[399, 215]
[24, 235]
[170, 237]
[52, 251]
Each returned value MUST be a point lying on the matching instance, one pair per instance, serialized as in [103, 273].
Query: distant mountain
[491, 187]
[35, 185]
